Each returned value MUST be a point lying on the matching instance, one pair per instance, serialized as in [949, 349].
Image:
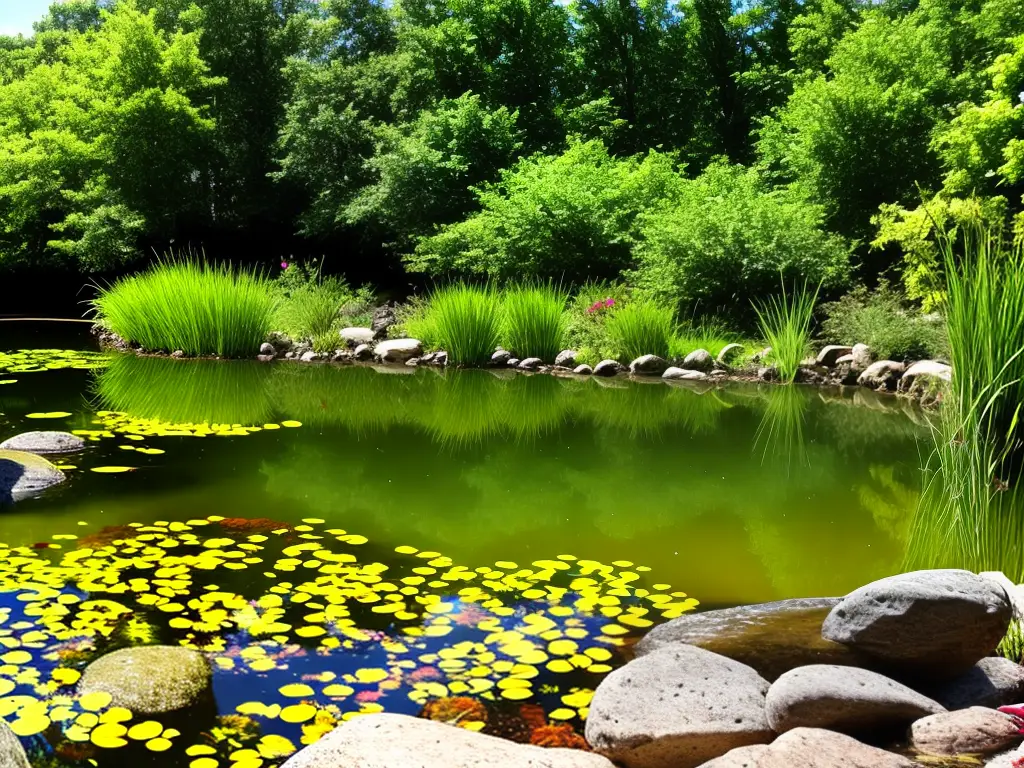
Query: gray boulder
[267, 350]
[501, 357]
[699, 360]
[676, 708]
[353, 337]
[992, 682]
[583, 370]
[648, 365]
[151, 679]
[681, 374]
[811, 748]
[607, 368]
[25, 474]
[513, 362]
[12, 755]
[530, 364]
[881, 375]
[845, 699]
[309, 357]
[398, 350]
[46, 443]
[773, 638]
[729, 352]
[830, 355]
[362, 352]
[929, 623]
[974, 731]
[566, 358]
[383, 318]
[399, 741]
[924, 375]
[862, 357]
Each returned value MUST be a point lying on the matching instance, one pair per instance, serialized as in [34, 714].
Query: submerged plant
[535, 321]
[785, 323]
[641, 327]
[466, 321]
[190, 305]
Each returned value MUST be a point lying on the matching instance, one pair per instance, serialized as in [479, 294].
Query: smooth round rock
[398, 350]
[353, 337]
[930, 623]
[677, 708]
[501, 357]
[150, 680]
[648, 365]
[992, 682]
[267, 350]
[399, 741]
[46, 443]
[12, 755]
[881, 375]
[362, 352]
[699, 360]
[811, 748]
[830, 355]
[583, 370]
[530, 364]
[566, 358]
[682, 374]
[845, 699]
[25, 474]
[974, 731]
[607, 368]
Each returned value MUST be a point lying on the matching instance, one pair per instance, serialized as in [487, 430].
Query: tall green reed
[535, 321]
[641, 327]
[190, 305]
[466, 321]
[785, 323]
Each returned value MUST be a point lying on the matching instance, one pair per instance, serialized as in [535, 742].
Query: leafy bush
[585, 320]
[642, 326]
[310, 305]
[785, 322]
[466, 321]
[199, 308]
[881, 320]
[724, 236]
[534, 320]
[568, 217]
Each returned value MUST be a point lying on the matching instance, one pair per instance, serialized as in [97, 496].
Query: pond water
[346, 539]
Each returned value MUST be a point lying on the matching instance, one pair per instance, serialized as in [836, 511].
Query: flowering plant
[600, 304]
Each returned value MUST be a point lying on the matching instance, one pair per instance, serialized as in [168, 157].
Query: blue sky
[17, 15]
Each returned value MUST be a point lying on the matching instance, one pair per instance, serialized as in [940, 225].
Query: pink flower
[284, 265]
[609, 302]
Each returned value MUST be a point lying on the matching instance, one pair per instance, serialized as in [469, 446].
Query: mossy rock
[151, 680]
[25, 474]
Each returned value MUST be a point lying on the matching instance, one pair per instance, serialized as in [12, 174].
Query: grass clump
[465, 320]
[314, 308]
[535, 321]
[641, 326]
[192, 306]
[785, 323]
[703, 334]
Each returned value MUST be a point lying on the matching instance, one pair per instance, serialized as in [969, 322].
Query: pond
[471, 545]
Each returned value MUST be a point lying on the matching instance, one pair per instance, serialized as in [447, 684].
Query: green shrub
[193, 306]
[724, 237]
[641, 326]
[466, 322]
[585, 320]
[310, 305]
[881, 320]
[785, 322]
[535, 320]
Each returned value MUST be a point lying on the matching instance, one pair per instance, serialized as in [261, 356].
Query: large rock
[583, 370]
[399, 741]
[530, 364]
[729, 352]
[1012, 759]
[681, 374]
[501, 357]
[925, 375]
[773, 638]
[648, 365]
[25, 474]
[881, 375]
[830, 355]
[353, 337]
[977, 731]
[383, 318]
[398, 350]
[862, 357]
[151, 679]
[811, 748]
[929, 623]
[607, 368]
[699, 360]
[566, 358]
[44, 443]
[676, 708]
[992, 682]
[12, 755]
[362, 352]
[846, 699]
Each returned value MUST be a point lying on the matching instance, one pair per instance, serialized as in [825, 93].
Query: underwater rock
[773, 638]
[936, 624]
[648, 365]
[607, 368]
[811, 748]
[699, 360]
[830, 355]
[583, 370]
[881, 375]
[729, 351]
[846, 699]
[676, 708]
[44, 443]
[566, 358]
[992, 682]
[681, 374]
[974, 731]
[530, 364]
[353, 337]
[24, 474]
[12, 755]
[151, 679]
[398, 741]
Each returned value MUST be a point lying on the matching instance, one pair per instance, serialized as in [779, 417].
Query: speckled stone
[44, 442]
[150, 680]
[25, 474]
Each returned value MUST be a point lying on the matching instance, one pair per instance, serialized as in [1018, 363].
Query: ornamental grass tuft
[466, 322]
[194, 306]
[641, 327]
[785, 322]
[535, 321]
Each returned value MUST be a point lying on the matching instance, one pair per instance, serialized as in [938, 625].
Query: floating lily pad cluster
[35, 360]
[305, 626]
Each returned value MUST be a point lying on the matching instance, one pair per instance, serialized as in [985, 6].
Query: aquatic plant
[641, 326]
[190, 305]
[785, 323]
[466, 321]
[535, 321]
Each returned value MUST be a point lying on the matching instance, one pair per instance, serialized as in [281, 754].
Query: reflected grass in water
[780, 435]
